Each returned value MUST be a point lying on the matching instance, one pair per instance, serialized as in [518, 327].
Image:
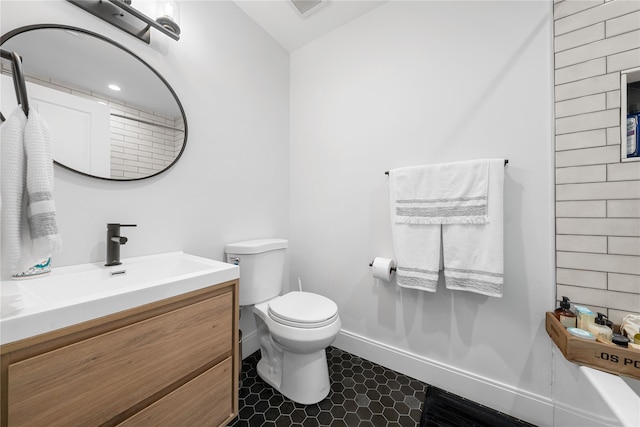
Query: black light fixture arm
[120, 14]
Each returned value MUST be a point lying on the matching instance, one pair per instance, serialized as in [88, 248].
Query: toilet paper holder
[392, 268]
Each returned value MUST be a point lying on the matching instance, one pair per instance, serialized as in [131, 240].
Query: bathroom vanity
[169, 361]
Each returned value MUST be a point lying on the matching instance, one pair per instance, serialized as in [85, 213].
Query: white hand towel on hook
[41, 210]
[29, 230]
[12, 174]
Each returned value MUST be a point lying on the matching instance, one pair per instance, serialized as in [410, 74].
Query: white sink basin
[70, 295]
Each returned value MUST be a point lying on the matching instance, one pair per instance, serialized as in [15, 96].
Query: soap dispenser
[600, 329]
[564, 315]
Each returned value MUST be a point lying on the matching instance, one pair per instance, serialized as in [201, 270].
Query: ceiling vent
[307, 7]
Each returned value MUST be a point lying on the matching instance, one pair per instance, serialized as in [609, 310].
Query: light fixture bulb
[114, 87]
[168, 12]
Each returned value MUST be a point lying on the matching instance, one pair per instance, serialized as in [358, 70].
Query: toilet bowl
[293, 329]
[293, 345]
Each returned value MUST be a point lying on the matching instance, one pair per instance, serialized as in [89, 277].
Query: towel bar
[505, 163]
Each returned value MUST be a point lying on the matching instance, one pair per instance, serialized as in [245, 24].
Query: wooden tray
[608, 358]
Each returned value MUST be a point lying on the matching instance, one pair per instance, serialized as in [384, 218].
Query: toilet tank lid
[255, 246]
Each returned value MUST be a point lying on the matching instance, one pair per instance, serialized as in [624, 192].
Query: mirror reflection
[111, 115]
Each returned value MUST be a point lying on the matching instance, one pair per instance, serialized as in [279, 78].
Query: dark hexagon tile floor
[362, 394]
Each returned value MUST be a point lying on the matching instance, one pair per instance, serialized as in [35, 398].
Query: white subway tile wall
[594, 173]
[585, 279]
[624, 245]
[613, 99]
[572, 141]
[588, 86]
[581, 209]
[599, 227]
[137, 149]
[597, 196]
[581, 71]
[584, 104]
[623, 60]
[613, 136]
[624, 172]
[595, 244]
[623, 209]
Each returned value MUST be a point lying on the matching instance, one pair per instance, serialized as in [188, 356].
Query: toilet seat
[303, 310]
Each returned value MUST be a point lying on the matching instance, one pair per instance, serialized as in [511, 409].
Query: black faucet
[114, 240]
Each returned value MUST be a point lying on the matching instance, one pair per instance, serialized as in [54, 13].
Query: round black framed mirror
[112, 116]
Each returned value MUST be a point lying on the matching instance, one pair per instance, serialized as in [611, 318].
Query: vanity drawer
[204, 401]
[92, 381]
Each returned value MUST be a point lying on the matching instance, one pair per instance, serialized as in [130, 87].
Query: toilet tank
[261, 264]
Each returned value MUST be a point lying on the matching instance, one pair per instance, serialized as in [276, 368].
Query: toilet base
[304, 378]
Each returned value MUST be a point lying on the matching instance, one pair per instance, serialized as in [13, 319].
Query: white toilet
[293, 329]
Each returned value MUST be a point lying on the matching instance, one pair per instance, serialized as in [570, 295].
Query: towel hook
[18, 79]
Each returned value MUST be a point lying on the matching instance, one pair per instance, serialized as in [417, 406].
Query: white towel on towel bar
[474, 254]
[460, 210]
[417, 253]
[446, 193]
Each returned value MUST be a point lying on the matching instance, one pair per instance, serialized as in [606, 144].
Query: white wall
[232, 181]
[425, 82]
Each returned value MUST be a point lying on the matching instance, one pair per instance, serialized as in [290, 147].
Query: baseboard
[521, 404]
[249, 344]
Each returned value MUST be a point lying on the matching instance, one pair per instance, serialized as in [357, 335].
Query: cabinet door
[204, 401]
[92, 381]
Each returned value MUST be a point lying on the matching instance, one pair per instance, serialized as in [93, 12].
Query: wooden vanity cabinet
[169, 363]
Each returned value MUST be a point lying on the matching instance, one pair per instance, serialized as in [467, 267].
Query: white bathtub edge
[617, 394]
[585, 397]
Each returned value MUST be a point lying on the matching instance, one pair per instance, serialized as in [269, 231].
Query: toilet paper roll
[382, 268]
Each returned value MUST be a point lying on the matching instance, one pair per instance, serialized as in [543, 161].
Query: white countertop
[75, 294]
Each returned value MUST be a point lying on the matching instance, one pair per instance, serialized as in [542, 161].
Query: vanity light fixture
[113, 87]
[168, 12]
[121, 14]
